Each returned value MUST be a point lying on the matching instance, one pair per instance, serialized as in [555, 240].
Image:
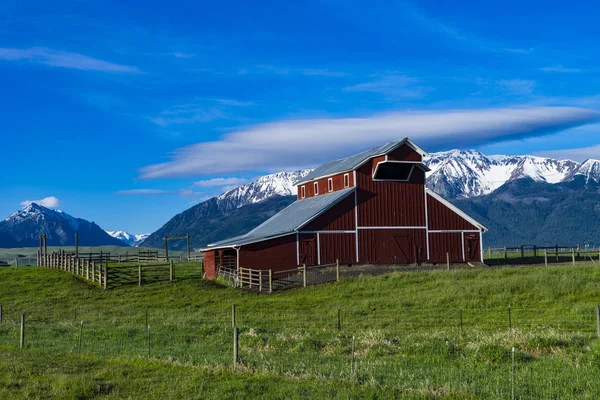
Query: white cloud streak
[392, 86]
[55, 58]
[561, 69]
[221, 182]
[579, 154]
[520, 87]
[308, 143]
[142, 192]
[49, 201]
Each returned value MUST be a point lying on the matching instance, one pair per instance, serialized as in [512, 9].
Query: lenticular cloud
[307, 143]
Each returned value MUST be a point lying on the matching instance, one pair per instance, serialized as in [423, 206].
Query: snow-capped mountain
[455, 174]
[469, 173]
[128, 238]
[25, 226]
[265, 187]
[589, 170]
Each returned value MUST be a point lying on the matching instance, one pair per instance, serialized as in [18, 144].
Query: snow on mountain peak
[590, 169]
[128, 238]
[468, 173]
[262, 188]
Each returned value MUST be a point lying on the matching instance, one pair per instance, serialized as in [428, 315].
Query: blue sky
[129, 114]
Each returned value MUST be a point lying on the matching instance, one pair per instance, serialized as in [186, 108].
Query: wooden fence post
[598, 320]
[260, 280]
[573, 255]
[270, 280]
[171, 271]
[87, 269]
[546, 257]
[337, 270]
[105, 277]
[93, 271]
[522, 251]
[534, 250]
[304, 274]
[22, 337]
[140, 276]
[448, 261]
[16, 262]
[235, 347]
[233, 315]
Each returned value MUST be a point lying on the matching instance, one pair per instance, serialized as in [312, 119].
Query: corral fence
[532, 254]
[141, 256]
[269, 280]
[110, 276]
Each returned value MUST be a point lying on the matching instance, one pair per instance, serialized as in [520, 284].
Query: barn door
[308, 251]
[402, 249]
[472, 247]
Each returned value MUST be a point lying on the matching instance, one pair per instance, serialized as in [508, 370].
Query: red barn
[369, 208]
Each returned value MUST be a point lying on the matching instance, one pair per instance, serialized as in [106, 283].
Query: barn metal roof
[352, 162]
[288, 220]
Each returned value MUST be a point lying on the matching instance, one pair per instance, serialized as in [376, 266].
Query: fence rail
[107, 275]
[540, 255]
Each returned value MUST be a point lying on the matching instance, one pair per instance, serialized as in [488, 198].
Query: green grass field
[404, 330]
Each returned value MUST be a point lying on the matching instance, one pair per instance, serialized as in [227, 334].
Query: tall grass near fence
[418, 334]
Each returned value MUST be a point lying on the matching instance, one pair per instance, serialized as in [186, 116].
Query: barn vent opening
[391, 171]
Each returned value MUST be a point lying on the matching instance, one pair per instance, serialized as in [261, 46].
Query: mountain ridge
[24, 227]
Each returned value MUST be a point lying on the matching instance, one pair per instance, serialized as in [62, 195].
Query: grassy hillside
[406, 327]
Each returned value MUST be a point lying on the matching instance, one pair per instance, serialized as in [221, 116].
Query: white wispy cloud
[323, 72]
[277, 70]
[561, 69]
[56, 58]
[392, 86]
[307, 143]
[187, 114]
[577, 154]
[221, 182]
[520, 87]
[142, 192]
[49, 201]
[182, 55]
[233, 102]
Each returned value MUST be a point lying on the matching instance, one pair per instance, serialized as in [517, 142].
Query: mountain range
[128, 238]
[24, 227]
[468, 178]
[511, 195]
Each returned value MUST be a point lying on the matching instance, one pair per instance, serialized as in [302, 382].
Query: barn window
[330, 184]
[393, 171]
[303, 190]
[316, 188]
[346, 180]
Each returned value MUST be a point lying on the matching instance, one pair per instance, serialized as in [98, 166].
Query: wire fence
[481, 353]
[531, 254]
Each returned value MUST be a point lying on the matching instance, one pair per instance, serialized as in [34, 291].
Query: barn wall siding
[392, 246]
[340, 217]
[276, 254]
[405, 153]
[442, 243]
[338, 184]
[390, 203]
[442, 218]
[336, 246]
[210, 267]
